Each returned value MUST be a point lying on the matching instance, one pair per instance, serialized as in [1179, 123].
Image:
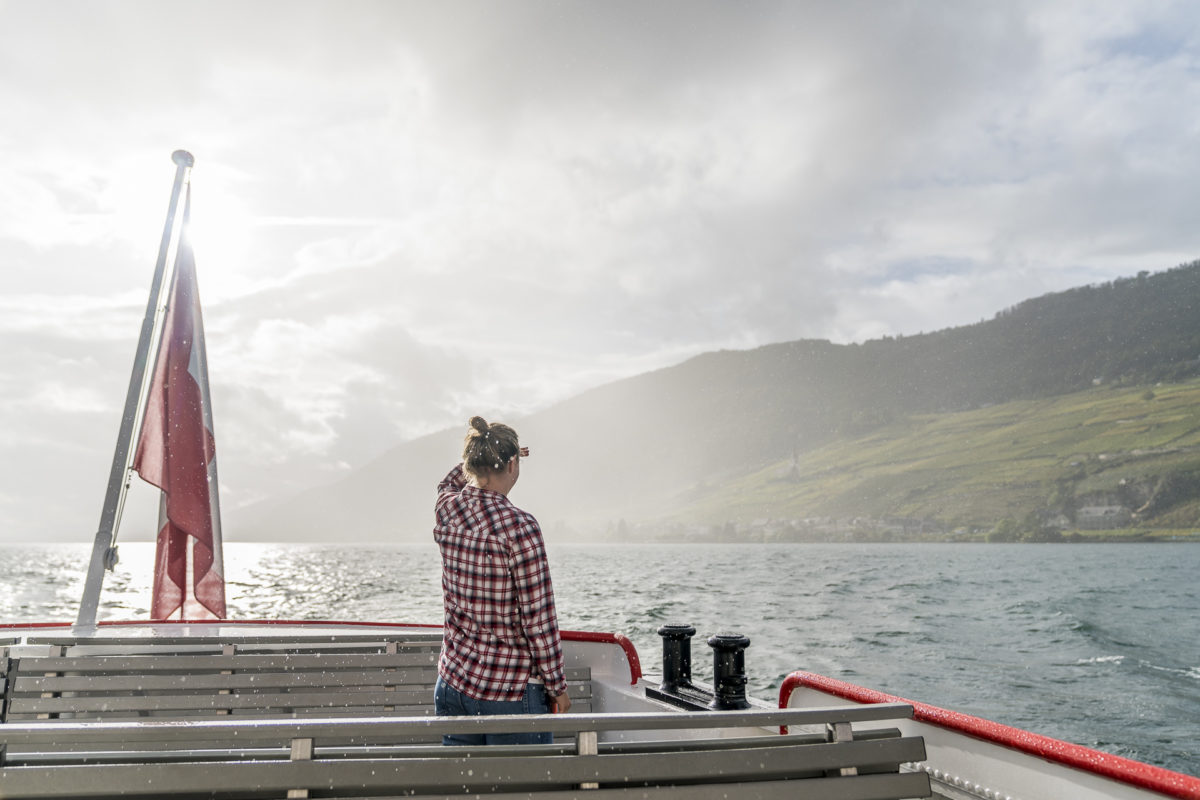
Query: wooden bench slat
[219, 749]
[155, 682]
[479, 773]
[417, 638]
[896, 787]
[422, 709]
[384, 726]
[458, 775]
[119, 703]
[425, 709]
[190, 663]
[867, 787]
[368, 699]
[151, 682]
[237, 715]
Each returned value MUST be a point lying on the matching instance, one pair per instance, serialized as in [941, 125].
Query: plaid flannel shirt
[501, 626]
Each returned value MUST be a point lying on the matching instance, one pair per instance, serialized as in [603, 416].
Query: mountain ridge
[637, 448]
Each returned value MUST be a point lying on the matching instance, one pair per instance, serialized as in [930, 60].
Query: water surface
[1094, 644]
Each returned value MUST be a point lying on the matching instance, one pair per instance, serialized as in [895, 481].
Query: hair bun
[480, 424]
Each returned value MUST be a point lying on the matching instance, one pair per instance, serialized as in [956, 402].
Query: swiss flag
[177, 453]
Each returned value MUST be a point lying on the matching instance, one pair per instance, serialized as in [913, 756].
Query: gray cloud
[406, 213]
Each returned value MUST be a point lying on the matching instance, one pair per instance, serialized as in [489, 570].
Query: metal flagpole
[104, 554]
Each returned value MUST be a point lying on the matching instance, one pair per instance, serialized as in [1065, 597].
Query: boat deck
[307, 712]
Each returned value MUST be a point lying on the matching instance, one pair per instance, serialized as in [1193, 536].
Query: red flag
[177, 453]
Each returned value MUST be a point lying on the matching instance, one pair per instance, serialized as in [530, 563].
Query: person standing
[501, 647]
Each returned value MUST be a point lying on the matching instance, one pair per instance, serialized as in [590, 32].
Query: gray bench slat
[153, 682]
[217, 750]
[660, 746]
[414, 708]
[482, 774]
[248, 715]
[186, 662]
[865, 787]
[220, 751]
[421, 708]
[779, 760]
[118, 703]
[377, 728]
[761, 763]
[424, 709]
[214, 681]
[416, 638]
[326, 695]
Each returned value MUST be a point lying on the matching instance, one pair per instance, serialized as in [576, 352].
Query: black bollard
[729, 671]
[677, 656]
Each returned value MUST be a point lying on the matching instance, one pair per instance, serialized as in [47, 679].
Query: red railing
[1135, 773]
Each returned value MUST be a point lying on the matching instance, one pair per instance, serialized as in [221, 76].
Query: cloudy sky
[406, 213]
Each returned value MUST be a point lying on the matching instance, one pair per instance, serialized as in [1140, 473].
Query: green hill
[1037, 463]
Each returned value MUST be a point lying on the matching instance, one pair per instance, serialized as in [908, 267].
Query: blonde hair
[488, 448]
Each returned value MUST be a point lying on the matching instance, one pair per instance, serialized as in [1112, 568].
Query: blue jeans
[449, 702]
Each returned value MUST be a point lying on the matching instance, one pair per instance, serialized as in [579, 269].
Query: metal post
[677, 656]
[729, 671]
[103, 552]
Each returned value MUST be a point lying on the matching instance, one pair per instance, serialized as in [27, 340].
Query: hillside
[647, 447]
[1043, 464]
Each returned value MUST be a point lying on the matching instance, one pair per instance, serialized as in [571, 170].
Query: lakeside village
[1091, 524]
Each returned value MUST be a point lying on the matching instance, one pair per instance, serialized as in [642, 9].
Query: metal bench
[120, 678]
[360, 757]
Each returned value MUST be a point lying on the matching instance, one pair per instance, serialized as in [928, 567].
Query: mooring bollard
[677, 656]
[729, 671]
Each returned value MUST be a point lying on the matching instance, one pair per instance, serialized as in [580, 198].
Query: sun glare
[221, 236]
[138, 201]
[219, 230]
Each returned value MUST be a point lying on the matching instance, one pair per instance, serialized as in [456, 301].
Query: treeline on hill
[1127, 332]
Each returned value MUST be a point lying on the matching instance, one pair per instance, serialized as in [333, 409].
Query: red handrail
[1135, 773]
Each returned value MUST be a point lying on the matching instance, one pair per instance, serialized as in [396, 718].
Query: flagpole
[104, 555]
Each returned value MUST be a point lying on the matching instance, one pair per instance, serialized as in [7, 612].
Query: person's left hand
[559, 703]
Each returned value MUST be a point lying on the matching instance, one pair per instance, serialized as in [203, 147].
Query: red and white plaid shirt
[501, 627]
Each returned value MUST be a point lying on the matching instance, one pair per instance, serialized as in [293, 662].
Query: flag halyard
[177, 453]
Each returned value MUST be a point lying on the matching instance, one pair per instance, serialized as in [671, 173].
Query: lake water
[1094, 644]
